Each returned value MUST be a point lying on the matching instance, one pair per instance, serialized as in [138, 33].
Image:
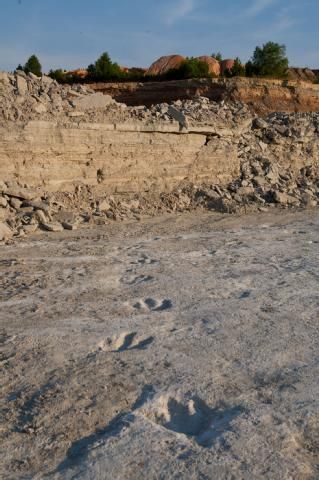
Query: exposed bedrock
[262, 95]
[91, 151]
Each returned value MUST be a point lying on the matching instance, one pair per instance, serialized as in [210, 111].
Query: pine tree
[218, 56]
[34, 66]
[238, 69]
[104, 69]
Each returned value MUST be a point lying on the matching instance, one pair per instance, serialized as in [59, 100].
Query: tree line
[269, 61]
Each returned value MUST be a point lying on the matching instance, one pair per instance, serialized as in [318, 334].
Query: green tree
[238, 69]
[251, 71]
[194, 68]
[104, 69]
[218, 56]
[270, 60]
[190, 68]
[33, 65]
[58, 75]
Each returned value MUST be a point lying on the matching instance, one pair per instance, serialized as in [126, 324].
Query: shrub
[33, 65]
[58, 75]
[190, 68]
[317, 80]
[104, 69]
[268, 61]
[238, 70]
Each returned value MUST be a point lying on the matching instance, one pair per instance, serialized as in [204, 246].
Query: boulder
[5, 232]
[3, 202]
[53, 227]
[22, 85]
[259, 123]
[308, 200]
[104, 206]
[33, 77]
[94, 101]
[164, 64]
[15, 203]
[69, 226]
[24, 193]
[37, 205]
[177, 115]
[28, 229]
[40, 217]
[4, 78]
[46, 80]
[40, 108]
[213, 64]
[285, 199]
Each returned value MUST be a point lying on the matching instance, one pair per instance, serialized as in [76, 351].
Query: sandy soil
[182, 347]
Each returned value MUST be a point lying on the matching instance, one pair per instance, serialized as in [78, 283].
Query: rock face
[213, 64]
[164, 64]
[263, 96]
[188, 154]
[226, 65]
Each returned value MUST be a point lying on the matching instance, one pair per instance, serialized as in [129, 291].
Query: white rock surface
[185, 347]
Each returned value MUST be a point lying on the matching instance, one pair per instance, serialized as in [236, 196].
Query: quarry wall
[57, 136]
[72, 157]
[113, 157]
[262, 95]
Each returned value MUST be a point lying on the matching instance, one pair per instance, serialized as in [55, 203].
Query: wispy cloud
[257, 7]
[179, 10]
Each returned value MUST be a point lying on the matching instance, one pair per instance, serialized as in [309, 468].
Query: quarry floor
[180, 347]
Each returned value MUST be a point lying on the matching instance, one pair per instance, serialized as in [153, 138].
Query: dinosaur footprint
[153, 305]
[126, 341]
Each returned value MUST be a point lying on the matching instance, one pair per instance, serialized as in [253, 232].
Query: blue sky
[73, 33]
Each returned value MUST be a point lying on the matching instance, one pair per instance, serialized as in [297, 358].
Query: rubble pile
[25, 97]
[196, 112]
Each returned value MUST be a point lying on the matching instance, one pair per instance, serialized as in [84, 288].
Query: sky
[73, 33]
